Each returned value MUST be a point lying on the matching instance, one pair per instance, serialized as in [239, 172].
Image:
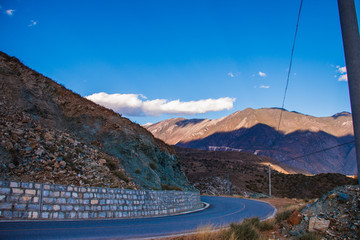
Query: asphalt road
[222, 211]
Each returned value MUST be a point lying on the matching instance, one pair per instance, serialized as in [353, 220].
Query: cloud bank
[138, 105]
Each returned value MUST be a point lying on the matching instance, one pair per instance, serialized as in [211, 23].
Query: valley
[207, 171]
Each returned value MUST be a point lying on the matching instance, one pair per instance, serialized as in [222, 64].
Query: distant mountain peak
[342, 114]
[257, 129]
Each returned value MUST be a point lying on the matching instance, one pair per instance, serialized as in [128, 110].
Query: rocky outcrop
[51, 134]
[335, 215]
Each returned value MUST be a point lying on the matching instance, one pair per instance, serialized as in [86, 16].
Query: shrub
[137, 171]
[244, 231]
[266, 225]
[111, 165]
[152, 165]
[121, 175]
[310, 236]
[283, 216]
[255, 221]
[173, 187]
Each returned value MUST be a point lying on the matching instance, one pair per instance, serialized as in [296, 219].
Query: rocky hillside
[255, 131]
[248, 175]
[335, 215]
[50, 134]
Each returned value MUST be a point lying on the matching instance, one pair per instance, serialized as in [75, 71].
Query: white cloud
[32, 23]
[343, 74]
[10, 12]
[231, 74]
[261, 74]
[137, 105]
[127, 104]
[342, 69]
[264, 86]
[343, 78]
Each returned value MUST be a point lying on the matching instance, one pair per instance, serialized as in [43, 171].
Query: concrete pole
[351, 42]
[269, 181]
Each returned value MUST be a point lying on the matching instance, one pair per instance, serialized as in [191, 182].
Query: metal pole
[228, 185]
[351, 42]
[269, 181]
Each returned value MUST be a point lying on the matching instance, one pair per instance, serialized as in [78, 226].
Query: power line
[289, 71]
[286, 87]
[284, 98]
[319, 151]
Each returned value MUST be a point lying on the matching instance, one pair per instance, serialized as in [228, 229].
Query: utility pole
[351, 42]
[269, 181]
[228, 185]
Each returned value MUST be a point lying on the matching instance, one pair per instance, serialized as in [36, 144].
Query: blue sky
[153, 60]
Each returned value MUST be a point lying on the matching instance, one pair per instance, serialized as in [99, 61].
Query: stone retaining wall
[19, 200]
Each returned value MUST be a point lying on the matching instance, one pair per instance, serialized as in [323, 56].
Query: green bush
[137, 171]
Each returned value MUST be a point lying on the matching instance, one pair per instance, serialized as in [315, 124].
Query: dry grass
[207, 232]
[286, 204]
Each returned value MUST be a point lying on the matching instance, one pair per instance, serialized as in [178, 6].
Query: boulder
[342, 197]
[318, 224]
[102, 162]
[48, 137]
[62, 164]
[294, 218]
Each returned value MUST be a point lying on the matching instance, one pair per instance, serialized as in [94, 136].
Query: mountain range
[293, 142]
[51, 134]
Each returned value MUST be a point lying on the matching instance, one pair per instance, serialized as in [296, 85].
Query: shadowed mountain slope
[248, 175]
[255, 131]
[51, 134]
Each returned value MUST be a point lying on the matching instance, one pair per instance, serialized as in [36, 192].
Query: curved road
[222, 211]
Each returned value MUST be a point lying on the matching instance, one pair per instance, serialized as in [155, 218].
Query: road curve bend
[222, 212]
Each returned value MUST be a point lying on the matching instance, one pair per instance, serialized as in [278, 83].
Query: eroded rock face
[50, 134]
